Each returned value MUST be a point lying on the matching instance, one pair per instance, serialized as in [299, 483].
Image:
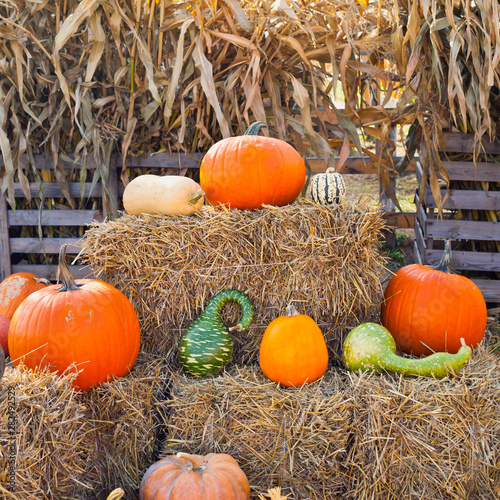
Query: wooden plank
[463, 229]
[354, 165]
[466, 199]
[464, 171]
[160, 160]
[52, 217]
[489, 288]
[50, 271]
[400, 220]
[470, 261]
[420, 240]
[464, 143]
[53, 190]
[421, 215]
[50, 245]
[416, 253]
[5, 268]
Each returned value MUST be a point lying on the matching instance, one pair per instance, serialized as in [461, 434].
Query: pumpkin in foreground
[371, 347]
[86, 326]
[328, 188]
[216, 476]
[15, 288]
[167, 194]
[429, 309]
[207, 347]
[2, 362]
[249, 171]
[293, 350]
[4, 331]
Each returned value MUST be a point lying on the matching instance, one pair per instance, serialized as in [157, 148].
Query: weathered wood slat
[416, 253]
[489, 288]
[50, 271]
[421, 215]
[52, 217]
[50, 245]
[462, 230]
[420, 241]
[5, 269]
[470, 261]
[402, 220]
[466, 199]
[464, 171]
[464, 143]
[53, 190]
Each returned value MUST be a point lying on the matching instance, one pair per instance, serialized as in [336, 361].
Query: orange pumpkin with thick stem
[293, 350]
[429, 309]
[86, 326]
[249, 171]
[15, 288]
[215, 476]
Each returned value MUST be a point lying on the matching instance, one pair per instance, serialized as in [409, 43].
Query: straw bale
[81, 446]
[423, 438]
[292, 438]
[51, 445]
[325, 261]
[350, 436]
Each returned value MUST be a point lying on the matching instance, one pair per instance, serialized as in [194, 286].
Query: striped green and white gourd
[328, 188]
[207, 347]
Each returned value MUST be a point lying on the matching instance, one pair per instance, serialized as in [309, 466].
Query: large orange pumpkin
[429, 309]
[215, 476]
[15, 288]
[248, 171]
[293, 350]
[88, 326]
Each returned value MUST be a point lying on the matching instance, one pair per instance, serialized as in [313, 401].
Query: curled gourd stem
[65, 277]
[291, 311]
[194, 197]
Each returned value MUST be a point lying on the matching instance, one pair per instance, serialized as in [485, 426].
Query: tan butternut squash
[168, 194]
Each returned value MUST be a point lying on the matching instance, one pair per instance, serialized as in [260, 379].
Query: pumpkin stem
[254, 128]
[444, 263]
[291, 311]
[65, 277]
[194, 197]
[42, 280]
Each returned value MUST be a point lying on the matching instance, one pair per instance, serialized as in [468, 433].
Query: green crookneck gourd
[371, 347]
[207, 347]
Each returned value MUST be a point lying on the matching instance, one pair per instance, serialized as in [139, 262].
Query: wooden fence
[431, 231]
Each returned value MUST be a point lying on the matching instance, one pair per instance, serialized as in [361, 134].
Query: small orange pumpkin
[86, 326]
[15, 288]
[293, 350]
[430, 310]
[215, 476]
[249, 171]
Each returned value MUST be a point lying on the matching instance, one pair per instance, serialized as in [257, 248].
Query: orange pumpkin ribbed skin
[248, 171]
[293, 350]
[94, 326]
[4, 330]
[15, 288]
[215, 476]
[423, 305]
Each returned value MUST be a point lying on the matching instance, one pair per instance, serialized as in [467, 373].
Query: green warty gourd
[207, 347]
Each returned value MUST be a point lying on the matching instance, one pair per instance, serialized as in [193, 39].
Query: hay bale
[424, 438]
[325, 261]
[51, 445]
[81, 446]
[350, 436]
[292, 438]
